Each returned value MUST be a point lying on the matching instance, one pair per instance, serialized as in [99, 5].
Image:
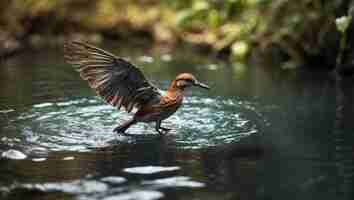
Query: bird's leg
[123, 127]
[158, 128]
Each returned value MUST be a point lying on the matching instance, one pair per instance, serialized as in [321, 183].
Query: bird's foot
[119, 130]
[163, 131]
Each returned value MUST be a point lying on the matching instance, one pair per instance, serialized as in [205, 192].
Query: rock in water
[13, 154]
[150, 169]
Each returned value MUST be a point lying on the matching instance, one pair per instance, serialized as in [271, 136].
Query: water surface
[260, 133]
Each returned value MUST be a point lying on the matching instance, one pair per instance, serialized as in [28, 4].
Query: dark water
[258, 134]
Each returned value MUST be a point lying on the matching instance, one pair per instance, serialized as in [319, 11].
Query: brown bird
[122, 84]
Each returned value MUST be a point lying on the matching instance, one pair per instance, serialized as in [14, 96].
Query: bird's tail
[123, 127]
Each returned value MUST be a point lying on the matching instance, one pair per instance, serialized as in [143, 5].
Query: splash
[84, 124]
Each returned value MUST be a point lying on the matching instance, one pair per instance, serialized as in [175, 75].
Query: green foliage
[216, 23]
[211, 13]
[221, 24]
[301, 29]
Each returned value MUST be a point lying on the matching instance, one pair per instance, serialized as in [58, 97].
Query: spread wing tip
[115, 80]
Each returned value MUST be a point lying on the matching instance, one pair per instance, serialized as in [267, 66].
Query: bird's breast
[167, 105]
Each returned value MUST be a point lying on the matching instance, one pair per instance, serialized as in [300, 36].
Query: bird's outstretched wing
[116, 80]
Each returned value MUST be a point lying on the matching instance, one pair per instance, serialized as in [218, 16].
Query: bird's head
[187, 80]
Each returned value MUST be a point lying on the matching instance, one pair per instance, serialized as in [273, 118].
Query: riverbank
[293, 34]
[220, 28]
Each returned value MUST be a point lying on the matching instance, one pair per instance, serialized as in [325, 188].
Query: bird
[123, 85]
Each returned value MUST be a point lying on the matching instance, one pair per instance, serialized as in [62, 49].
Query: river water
[259, 133]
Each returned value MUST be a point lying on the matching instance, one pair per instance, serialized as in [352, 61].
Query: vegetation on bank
[302, 32]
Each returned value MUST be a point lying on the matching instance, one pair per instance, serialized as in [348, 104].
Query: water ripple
[81, 124]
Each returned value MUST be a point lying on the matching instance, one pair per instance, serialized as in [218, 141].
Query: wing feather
[116, 80]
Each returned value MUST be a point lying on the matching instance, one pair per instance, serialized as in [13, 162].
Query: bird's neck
[174, 92]
[174, 88]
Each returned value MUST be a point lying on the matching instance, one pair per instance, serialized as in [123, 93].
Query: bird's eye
[183, 83]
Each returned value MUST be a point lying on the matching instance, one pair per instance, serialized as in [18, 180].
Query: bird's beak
[202, 85]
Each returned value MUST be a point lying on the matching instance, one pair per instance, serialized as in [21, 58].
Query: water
[258, 134]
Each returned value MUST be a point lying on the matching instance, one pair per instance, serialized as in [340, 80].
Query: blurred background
[294, 34]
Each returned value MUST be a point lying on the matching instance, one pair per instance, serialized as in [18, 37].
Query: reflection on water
[258, 134]
[149, 169]
[110, 188]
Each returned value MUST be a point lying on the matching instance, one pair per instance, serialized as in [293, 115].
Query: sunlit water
[257, 134]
